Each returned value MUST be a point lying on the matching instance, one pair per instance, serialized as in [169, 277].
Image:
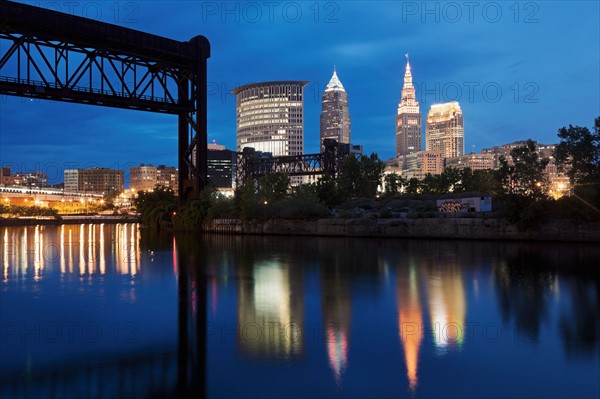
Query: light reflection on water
[354, 317]
[82, 248]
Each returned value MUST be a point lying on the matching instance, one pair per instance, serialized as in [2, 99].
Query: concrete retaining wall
[455, 228]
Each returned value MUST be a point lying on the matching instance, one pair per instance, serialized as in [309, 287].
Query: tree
[393, 183]
[413, 186]
[450, 180]
[246, 201]
[156, 207]
[274, 186]
[578, 153]
[328, 192]
[360, 177]
[526, 176]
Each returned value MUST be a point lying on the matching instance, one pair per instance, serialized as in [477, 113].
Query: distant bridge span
[51, 55]
[328, 163]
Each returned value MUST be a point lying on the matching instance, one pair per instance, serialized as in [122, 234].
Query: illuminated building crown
[335, 84]
[408, 103]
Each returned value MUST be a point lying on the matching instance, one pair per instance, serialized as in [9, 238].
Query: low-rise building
[103, 181]
[467, 204]
[421, 163]
[473, 161]
[148, 177]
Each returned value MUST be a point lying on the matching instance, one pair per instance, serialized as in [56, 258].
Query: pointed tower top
[334, 83]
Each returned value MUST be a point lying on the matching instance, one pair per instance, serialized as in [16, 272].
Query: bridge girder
[251, 165]
[50, 55]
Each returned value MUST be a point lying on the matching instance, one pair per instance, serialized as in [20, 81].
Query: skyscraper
[408, 120]
[445, 130]
[270, 117]
[335, 118]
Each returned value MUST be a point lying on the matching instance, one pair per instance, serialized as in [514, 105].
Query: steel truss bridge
[51, 55]
[252, 165]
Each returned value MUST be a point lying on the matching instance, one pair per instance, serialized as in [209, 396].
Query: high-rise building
[270, 117]
[335, 118]
[408, 120]
[221, 166]
[445, 130]
[94, 181]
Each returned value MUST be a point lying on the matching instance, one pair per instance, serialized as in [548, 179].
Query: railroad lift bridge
[51, 55]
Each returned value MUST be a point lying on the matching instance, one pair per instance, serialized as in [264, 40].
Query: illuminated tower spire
[409, 101]
[335, 118]
[408, 120]
[335, 83]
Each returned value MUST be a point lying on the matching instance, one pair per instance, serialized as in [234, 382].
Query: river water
[114, 311]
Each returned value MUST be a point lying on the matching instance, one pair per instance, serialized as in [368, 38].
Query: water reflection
[350, 315]
[71, 324]
[270, 309]
[81, 249]
[336, 309]
[410, 321]
[524, 287]
[579, 323]
[434, 282]
[447, 308]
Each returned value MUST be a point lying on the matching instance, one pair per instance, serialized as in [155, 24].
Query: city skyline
[547, 78]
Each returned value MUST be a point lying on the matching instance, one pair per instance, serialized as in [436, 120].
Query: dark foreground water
[112, 311]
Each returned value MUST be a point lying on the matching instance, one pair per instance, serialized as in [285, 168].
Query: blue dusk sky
[518, 69]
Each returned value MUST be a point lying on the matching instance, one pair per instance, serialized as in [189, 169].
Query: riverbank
[476, 228]
[85, 219]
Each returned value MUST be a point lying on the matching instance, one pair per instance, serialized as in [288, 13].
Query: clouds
[547, 51]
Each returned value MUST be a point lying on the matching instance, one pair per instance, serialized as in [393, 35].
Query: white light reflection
[24, 253]
[102, 257]
[133, 252]
[5, 242]
[36, 253]
[91, 264]
[70, 250]
[63, 267]
[81, 250]
[41, 251]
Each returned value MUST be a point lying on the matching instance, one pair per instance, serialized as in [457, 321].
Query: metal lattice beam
[50, 55]
[251, 165]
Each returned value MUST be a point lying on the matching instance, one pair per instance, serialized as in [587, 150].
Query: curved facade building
[270, 117]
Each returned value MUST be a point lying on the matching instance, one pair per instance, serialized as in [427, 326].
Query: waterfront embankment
[477, 228]
[83, 219]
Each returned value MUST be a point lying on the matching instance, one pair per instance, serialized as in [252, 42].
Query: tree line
[519, 186]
